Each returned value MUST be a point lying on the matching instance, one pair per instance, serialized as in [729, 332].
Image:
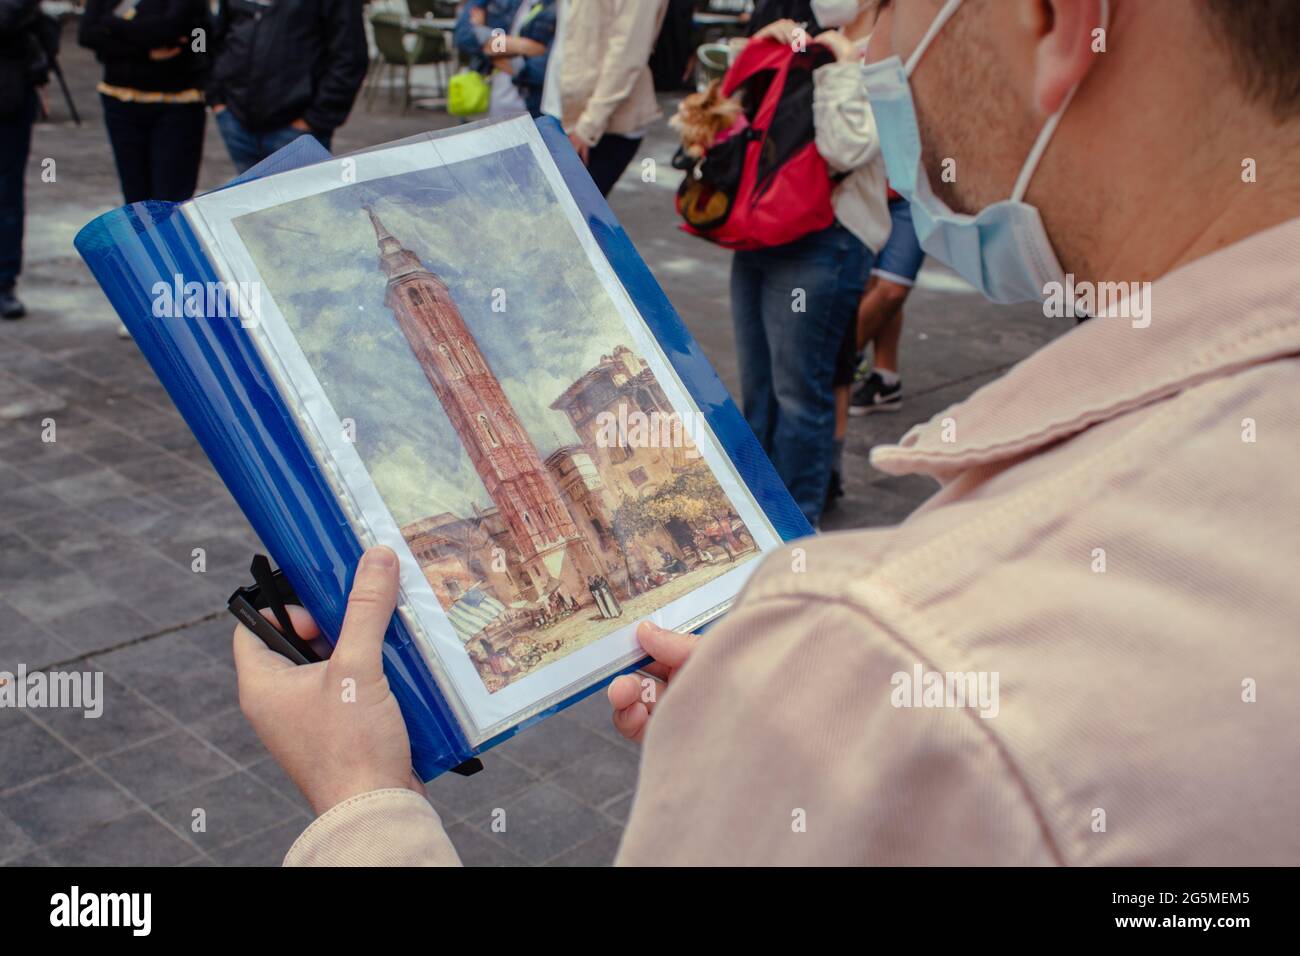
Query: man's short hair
[1263, 39]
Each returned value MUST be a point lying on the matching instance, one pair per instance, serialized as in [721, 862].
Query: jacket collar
[1236, 307]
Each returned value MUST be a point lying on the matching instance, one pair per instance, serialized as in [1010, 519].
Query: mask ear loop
[1049, 128]
[940, 19]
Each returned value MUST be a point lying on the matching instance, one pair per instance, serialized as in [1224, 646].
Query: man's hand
[164, 52]
[634, 698]
[334, 726]
[580, 147]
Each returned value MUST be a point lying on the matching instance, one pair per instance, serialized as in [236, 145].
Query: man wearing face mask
[1081, 650]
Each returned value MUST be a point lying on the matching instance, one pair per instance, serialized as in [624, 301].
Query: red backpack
[766, 184]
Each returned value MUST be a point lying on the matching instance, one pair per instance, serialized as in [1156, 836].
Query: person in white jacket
[793, 305]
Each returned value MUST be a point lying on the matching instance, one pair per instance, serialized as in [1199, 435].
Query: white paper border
[483, 715]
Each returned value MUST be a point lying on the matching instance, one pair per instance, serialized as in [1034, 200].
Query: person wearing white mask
[793, 305]
[1107, 572]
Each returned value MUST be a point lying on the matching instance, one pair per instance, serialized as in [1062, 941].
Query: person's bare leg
[842, 411]
[884, 350]
[880, 304]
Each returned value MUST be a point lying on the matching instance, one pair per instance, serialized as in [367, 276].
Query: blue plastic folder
[221, 386]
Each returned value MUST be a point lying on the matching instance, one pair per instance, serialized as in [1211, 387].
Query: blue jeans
[791, 306]
[247, 148]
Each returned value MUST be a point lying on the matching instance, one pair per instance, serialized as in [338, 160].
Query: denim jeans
[247, 148]
[15, 145]
[791, 306]
[157, 147]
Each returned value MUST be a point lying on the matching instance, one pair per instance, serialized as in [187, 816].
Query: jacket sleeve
[380, 828]
[842, 118]
[16, 14]
[169, 28]
[533, 71]
[631, 38]
[215, 94]
[345, 67]
[464, 35]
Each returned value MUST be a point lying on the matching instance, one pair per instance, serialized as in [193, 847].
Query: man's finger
[253, 658]
[302, 622]
[666, 647]
[359, 652]
[624, 691]
[631, 723]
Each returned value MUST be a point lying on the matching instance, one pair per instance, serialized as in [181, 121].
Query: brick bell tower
[554, 552]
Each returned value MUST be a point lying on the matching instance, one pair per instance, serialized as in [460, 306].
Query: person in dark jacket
[284, 68]
[24, 65]
[155, 65]
[509, 40]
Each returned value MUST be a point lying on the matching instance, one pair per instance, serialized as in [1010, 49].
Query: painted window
[451, 360]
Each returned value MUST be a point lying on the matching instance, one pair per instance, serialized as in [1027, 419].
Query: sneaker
[10, 305]
[873, 395]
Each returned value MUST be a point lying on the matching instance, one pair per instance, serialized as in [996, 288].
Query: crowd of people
[271, 72]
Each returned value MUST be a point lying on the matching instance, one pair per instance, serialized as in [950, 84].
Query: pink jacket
[1082, 650]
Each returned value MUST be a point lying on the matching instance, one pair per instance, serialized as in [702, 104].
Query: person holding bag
[792, 304]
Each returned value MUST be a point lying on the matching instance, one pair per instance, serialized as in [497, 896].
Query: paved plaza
[98, 530]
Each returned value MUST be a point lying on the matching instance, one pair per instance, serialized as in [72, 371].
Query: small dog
[702, 118]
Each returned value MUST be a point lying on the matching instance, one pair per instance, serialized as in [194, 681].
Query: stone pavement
[97, 531]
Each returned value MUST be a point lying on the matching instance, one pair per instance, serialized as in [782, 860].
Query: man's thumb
[359, 652]
[666, 647]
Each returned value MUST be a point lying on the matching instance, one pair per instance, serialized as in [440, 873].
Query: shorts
[900, 260]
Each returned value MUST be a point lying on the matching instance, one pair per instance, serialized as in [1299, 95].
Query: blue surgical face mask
[1003, 250]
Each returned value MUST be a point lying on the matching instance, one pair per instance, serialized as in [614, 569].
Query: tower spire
[387, 243]
[395, 261]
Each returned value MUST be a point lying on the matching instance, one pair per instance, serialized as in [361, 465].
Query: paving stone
[165, 766]
[137, 839]
[273, 775]
[14, 843]
[477, 849]
[234, 806]
[100, 626]
[21, 561]
[231, 733]
[600, 850]
[91, 487]
[266, 848]
[542, 822]
[66, 805]
[23, 641]
[127, 719]
[598, 779]
[190, 694]
[28, 751]
[619, 810]
[35, 858]
[40, 599]
[454, 796]
[560, 744]
[56, 460]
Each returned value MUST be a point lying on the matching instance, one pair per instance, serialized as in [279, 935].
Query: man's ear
[1070, 37]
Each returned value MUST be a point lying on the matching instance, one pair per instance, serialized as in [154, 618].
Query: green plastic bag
[468, 94]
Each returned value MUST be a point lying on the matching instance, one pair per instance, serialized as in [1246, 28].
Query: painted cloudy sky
[483, 224]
